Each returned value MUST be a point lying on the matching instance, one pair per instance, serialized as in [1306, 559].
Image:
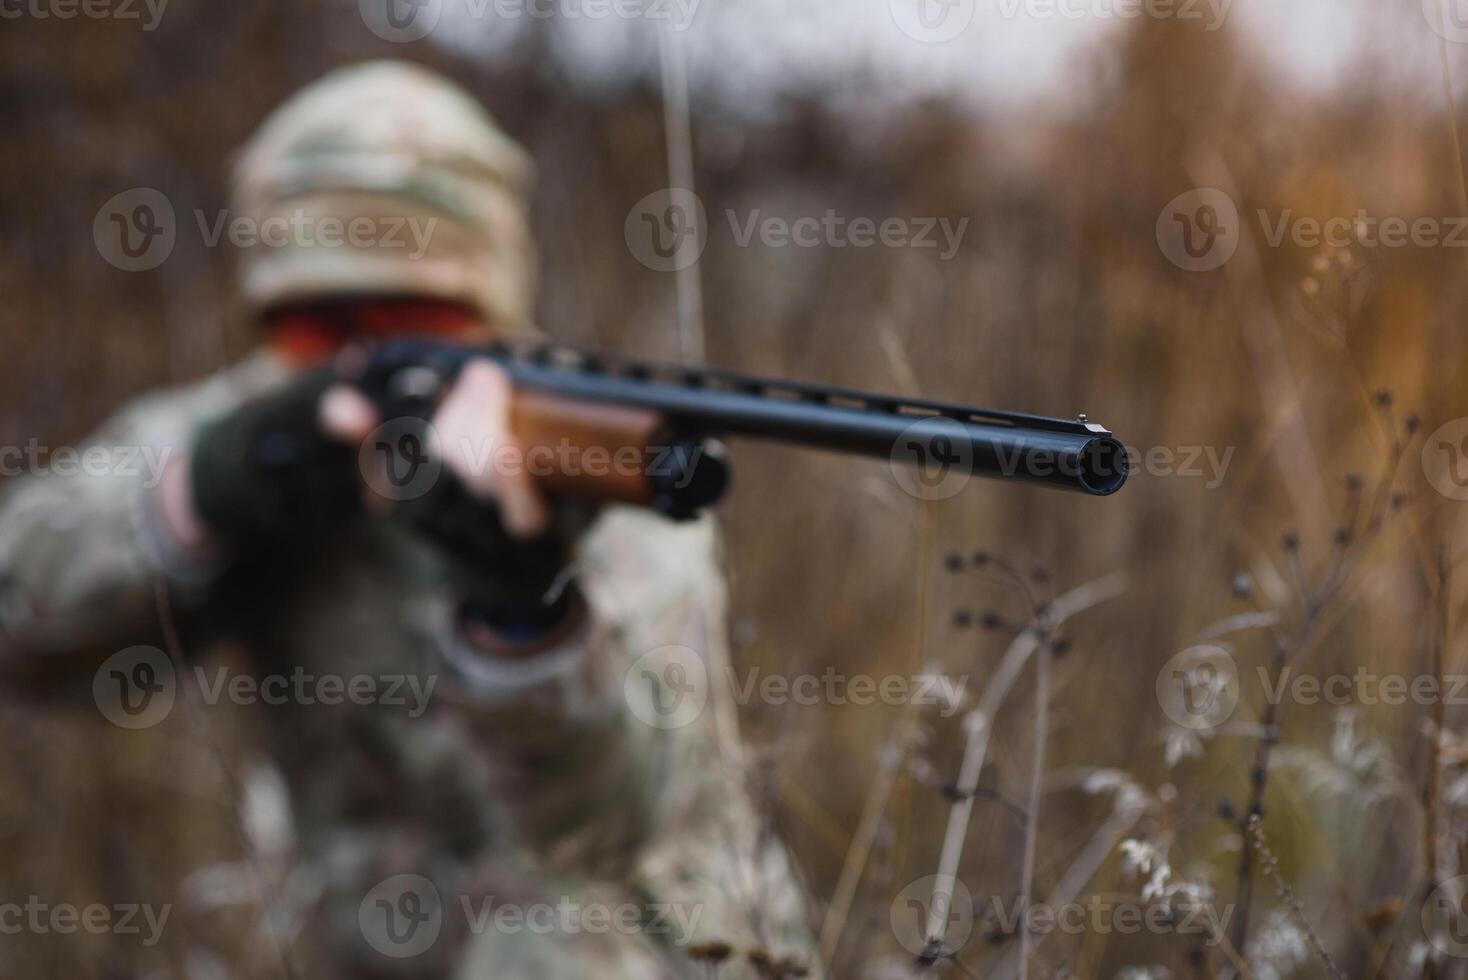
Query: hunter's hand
[472, 418]
[270, 472]
[506, 545]
[470, 431]
[286, 466]
[289, 459]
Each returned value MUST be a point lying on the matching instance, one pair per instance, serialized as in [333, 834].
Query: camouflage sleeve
[81, 545]
[619, 759]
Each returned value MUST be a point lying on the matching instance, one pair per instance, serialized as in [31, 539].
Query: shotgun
[646, 433]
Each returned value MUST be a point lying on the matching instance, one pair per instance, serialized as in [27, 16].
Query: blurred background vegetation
[1306, 363]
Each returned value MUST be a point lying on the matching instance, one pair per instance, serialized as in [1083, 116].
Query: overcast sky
[1023, 55]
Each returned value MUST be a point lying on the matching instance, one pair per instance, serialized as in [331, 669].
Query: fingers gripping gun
[663, 418]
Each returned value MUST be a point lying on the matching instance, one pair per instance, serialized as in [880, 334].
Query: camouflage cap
[385, 178]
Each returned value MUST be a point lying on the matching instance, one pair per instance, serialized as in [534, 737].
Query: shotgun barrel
[674, 409]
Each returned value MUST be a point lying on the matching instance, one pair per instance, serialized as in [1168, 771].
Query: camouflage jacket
[580, 812]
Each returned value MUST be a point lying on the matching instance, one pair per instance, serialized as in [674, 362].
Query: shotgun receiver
[609, 428]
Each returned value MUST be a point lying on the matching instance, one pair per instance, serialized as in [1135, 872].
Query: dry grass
[1059, 300]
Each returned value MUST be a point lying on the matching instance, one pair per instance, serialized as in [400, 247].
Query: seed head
[710, 952]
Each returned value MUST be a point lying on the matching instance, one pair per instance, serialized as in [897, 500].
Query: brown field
[1319, 371]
